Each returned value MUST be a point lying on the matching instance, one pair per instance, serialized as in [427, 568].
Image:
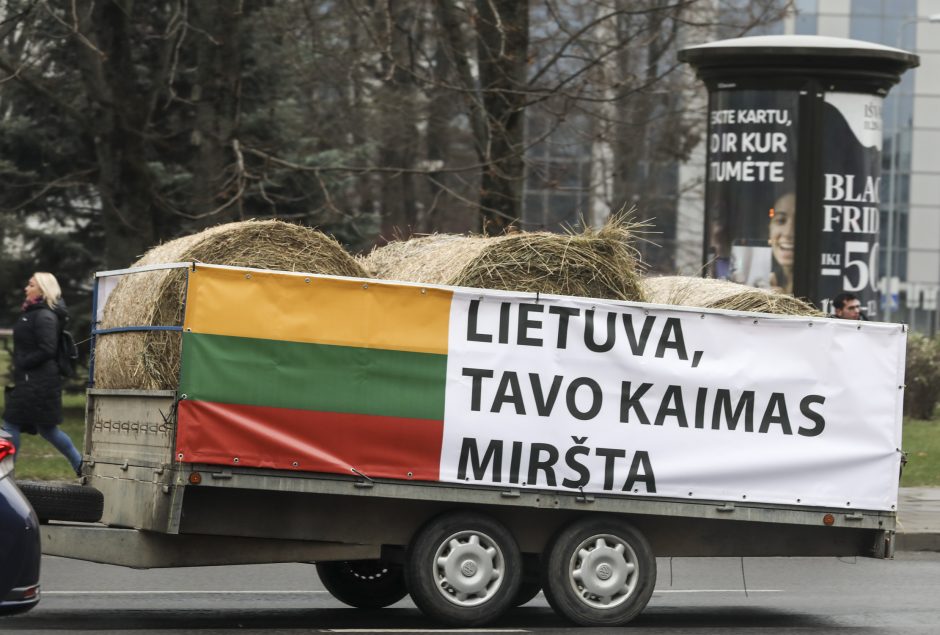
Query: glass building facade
[909, 268]
[566, 174]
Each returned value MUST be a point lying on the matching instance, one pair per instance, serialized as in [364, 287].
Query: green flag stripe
[303, 376]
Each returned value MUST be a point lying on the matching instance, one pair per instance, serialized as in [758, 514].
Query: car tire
[599, 572]
[526, 593]
[531, 583]
[56, 501]
[364, 584]
[463, 569]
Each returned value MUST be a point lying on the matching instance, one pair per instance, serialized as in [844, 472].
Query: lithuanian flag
[292, 371]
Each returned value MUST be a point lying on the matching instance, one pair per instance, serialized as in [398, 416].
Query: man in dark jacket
[35, 402]
[848, 307]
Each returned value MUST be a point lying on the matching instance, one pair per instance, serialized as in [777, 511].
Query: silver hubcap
[603, 571]
[468, 568]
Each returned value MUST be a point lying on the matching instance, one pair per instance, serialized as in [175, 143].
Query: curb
[918, 519]
[917, 541]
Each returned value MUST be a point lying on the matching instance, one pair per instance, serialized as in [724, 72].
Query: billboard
[501, 389]
[751, 193]
[849, 213]
[754, 206]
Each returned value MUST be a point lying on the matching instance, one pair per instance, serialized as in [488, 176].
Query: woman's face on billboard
[782, 229]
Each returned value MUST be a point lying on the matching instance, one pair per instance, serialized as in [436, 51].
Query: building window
[807, 13]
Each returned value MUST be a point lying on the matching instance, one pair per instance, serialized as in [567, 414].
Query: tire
[75, 503]
[599, 572]
[364, 584]
[463, 569]
[526, 593]
[531, 580]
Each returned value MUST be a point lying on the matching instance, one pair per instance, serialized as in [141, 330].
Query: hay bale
[433, 259]
[708, 293]
[596, 263]
[150, 360]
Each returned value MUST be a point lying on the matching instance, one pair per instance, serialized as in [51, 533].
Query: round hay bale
[433, 259]
[708, 293]
[150, 360]
[596, 263]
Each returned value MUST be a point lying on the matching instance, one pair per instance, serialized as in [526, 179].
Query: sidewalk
[918, 519]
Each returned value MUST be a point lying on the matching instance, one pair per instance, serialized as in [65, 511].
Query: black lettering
[563, 313]
[536, 464]
[589, 332]
[641, 459]
[470, 453]
[596, 398]
[509, 392]
[610, 455]
[637, 347]
[477, 374]
[473, 335]
[628, 402]
[526, 323]
[543, 404]
[571, 460]
[700, 408]
[723, 405]
[672, 338]
[776, 403]
[504, 310]
[673, 395]
[815, 417]
[514, 461]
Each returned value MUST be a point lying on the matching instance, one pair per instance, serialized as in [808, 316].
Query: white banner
[602, 397]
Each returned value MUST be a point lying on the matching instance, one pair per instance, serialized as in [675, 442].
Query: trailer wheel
[364, 584]
[76, 503]
[599, 572]
[531, 579]
[527, 591]
[464, 569]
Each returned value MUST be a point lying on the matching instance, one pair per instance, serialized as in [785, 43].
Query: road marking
[152, 593]
[425, 630]
[203, 592]
[718, 591]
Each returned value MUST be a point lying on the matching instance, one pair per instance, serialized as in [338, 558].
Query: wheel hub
[603, 571]
[469, 568]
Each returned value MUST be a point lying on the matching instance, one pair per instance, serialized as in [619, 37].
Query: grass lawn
[38, 460]
[922, 444]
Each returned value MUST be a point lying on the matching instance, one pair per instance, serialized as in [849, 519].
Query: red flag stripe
[310, 441]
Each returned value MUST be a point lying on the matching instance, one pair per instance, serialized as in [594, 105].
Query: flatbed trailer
[494, 521]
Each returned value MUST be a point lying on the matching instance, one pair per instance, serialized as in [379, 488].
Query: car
[20, 548]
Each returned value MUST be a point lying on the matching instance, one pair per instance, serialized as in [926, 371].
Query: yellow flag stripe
[296, 308]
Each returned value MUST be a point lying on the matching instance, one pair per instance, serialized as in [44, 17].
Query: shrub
[922, 376]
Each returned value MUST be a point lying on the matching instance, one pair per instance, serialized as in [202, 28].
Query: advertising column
[794, 162]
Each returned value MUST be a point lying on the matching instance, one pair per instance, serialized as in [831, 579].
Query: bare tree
[502, 51]
[369, 118]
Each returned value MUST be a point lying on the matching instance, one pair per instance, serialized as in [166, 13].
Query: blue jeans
[59, 440]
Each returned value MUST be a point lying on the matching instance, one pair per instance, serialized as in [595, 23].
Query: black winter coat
[36, 398]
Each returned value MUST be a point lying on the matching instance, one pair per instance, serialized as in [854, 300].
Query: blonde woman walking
[34, 404]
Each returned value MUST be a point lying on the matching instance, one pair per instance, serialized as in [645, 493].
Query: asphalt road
[702, 595]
